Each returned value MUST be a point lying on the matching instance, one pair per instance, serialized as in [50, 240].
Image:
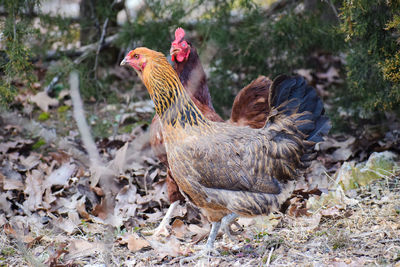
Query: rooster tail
[292, 96]
[250, 105]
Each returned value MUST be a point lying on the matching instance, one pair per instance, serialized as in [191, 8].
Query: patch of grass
[38, 144]
[9, 251]
[44, 116]
[63, 109]
[338, 239]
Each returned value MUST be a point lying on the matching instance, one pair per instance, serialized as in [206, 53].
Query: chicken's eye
[136, 56]
[183, 44]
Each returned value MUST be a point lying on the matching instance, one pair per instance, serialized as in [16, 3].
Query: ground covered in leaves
[58, 207]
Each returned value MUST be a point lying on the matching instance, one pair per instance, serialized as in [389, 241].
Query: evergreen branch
[83, 53]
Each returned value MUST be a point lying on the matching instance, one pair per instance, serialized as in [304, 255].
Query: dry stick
[97, 163]
[269, 256]
[83, 127]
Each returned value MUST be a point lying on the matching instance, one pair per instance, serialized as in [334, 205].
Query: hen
[227, 170]
[249, 108]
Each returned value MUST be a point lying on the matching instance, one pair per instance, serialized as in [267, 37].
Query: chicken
[228, 170]
[249, 108]
[250, 105]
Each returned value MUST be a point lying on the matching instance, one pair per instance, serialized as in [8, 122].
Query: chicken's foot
[208, 248]
[162, 228]
[226, 223]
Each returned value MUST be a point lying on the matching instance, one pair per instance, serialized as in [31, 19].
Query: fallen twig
[269, 257]
[81, 121]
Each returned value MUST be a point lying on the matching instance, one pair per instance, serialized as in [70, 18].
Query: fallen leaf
[34, 190]
[81, 208]
[9, 230]
[12, 184]
[134, 241]
[179, 228]
[154, 217]
[61, 175]
[170, 247]
[66, 225]
[199, 233]
[29, 162]
[53, 259]
[125, 205]
[34, 241]
[43, 101]
[83, 248]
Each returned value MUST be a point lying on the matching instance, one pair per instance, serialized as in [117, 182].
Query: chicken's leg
[226, 223]
[213, 234]
[162, 228]
[209, 247]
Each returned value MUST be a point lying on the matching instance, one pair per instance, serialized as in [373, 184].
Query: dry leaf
[12, 184]
[171, 247]
[65, 224]
[29, 162]
[9, 230]
[81, 208]
[100, 210]
[125, 205]
[61, 175]
[34, 190]
[199, 232]
[134, 241]
[179, 228]
[120, 158]
[43, 101]
[83, 248]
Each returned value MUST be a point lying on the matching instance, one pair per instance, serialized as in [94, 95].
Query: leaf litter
[54, 209]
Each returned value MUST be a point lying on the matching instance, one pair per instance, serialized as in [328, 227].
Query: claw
[209, 247]
[226, 223]
[206, 252]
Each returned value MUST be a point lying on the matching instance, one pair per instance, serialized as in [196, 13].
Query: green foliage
[240, 38]
[262, 44]
[41, 142]
[44, 116]
[372, 30]
[15, 62]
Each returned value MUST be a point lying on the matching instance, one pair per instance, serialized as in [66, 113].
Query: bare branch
[81, 121]
[103, 34]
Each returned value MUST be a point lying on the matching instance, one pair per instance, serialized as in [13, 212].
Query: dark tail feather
[293, 95]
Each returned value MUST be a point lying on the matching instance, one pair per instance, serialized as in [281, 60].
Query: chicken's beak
[123, 62]
[174, 51]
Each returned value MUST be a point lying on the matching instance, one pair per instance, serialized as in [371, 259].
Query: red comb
[179, 34]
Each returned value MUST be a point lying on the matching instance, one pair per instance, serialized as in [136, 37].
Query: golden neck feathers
[171, 101]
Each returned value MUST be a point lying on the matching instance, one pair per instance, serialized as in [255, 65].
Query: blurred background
[349, 50]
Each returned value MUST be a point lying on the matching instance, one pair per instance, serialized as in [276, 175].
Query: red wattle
[180, 57]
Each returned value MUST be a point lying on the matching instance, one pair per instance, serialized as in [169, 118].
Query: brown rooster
[249, 109]
[224, 169]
